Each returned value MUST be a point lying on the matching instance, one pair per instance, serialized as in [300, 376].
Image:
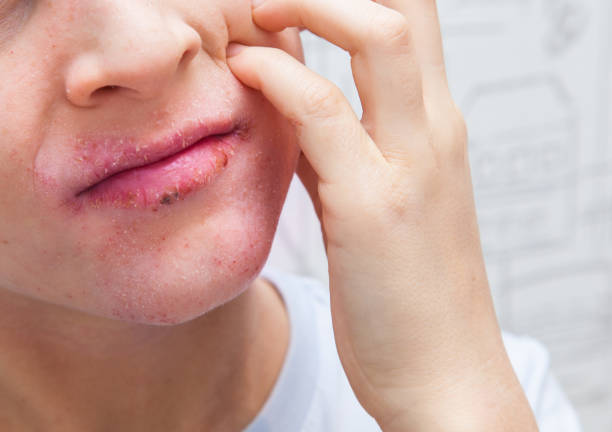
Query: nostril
[191, 51]
[185, 57]
[105, 90]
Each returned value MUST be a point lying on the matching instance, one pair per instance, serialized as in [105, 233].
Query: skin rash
[133, 71]
[109, 313]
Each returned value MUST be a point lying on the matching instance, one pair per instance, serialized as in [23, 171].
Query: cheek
[25, 102]
[29, 86]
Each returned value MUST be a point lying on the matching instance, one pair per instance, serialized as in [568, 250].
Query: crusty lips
[166, 181]
[99, 159]
[147, 161]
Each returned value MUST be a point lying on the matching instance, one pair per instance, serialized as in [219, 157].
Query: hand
[413, 318]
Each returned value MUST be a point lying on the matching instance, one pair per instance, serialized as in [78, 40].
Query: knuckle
[449, 133]
[322, 99]
[389, 27]
[404, 201]
[405, 196]
[399, 200]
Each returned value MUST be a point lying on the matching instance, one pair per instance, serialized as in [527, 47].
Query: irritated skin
[106, 288]
[167, 65]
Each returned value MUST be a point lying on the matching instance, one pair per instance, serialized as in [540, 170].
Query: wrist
[487, 398]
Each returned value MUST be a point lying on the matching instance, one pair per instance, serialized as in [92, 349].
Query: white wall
[532, 78]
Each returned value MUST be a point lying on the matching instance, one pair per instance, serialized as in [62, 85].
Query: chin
[199, 255]
[186, 279]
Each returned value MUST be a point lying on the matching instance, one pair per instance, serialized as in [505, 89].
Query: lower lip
[164, 182]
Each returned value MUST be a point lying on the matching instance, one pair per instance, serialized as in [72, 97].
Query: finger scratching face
[159, 64]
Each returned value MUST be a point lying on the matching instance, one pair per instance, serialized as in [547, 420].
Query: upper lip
[101, 158]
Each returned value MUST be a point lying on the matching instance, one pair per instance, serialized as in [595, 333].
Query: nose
[134, 53]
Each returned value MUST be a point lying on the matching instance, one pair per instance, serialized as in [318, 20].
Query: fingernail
[234, 49]
[257, 3]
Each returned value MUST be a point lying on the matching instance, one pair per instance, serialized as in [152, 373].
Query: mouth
[131, 174]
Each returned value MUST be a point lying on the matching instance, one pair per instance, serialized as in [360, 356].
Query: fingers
[384, 63]
[422, 17]
[345, 23]
[330, 134]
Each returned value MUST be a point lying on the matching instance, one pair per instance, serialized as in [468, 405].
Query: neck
[66, 370]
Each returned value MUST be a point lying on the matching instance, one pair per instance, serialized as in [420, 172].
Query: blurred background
[533, 79]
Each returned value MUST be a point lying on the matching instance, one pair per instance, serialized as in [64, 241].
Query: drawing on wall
[565, 21]
[481, 15]
[522, 149]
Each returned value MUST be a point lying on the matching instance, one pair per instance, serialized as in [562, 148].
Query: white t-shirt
[312, 393]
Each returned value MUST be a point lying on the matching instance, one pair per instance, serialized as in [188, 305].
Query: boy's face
[101, 87]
